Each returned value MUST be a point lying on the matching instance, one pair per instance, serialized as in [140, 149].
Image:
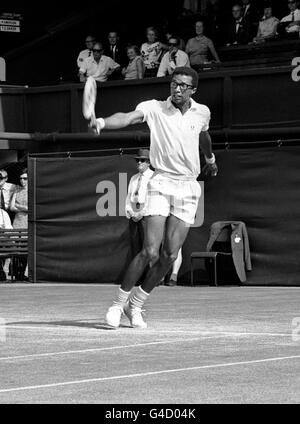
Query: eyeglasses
[2, 178]
[97, 50]
[181, 85]
[23, 178]
[141, 160]
[172, 44]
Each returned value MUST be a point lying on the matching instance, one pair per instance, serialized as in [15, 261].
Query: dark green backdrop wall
[70, 242]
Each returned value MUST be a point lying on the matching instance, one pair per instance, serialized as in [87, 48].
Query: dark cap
[142, 154]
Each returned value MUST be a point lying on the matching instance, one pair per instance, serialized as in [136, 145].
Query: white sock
[121, 298]
[138, 298]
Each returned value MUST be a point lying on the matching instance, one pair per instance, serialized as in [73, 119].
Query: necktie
[90, 52]
[2, 202]
[136, 193]
[293, 16]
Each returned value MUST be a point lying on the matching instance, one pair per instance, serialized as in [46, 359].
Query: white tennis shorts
[169, 196]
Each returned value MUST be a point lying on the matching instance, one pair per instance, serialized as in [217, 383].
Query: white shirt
[289, 18]
[98, 70]
[167, 66]
[132, 199]
[8, 191]
[5, 222]
[174, 138]
[83, 55]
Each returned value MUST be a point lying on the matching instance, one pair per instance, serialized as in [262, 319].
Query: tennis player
[178, 126]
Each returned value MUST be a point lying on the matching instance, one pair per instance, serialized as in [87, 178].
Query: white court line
[146, 374]
[99, 349]
[70, 328]
[205, 334]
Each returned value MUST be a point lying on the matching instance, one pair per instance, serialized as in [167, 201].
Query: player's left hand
[210, 170]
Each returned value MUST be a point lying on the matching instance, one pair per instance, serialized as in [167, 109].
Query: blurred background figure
[117, 51]
[267, 28]
[135, 68]
[172, 59]
[19, 205]
[136, 201]
[152, 51]
[289, 26]
[6, 192]
[98, 66]
[170, 33]
[251, 15]
[238, 29]
[198, 48]
[89, 42]
[5, 224]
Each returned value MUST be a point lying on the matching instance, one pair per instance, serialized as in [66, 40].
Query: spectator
[290, 25]
[251, 14]
[135, 68]
[152, 52]
[175, 57]
[267, 28]
[115, 49]
[198, 48]
[238, 30]
[5, 223]
[19, 205]
[6, 192]
[99, 66]
[190, 7]
[169, 34]
[19, 202]
[89, 42]
[136, 200]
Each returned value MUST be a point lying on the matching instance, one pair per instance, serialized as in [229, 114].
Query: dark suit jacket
[252, 17]
[120, 54]
[244, 34]
[239, 245]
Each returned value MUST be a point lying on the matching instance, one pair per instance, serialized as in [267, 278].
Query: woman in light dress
[135, 68]
[152, 52]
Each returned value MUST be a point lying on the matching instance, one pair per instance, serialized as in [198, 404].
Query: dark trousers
[136, 231]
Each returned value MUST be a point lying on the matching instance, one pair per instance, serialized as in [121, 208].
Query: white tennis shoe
[134, 314]
[113, 316]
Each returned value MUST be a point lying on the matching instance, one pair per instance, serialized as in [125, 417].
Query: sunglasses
[2, 178]
[172, 44]
[141, 160]
[97, 51]
[23, 178]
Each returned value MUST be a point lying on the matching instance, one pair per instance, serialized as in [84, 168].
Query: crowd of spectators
[244, 24]
[14, 215]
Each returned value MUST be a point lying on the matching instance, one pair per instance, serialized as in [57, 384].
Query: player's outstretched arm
[206, 147]
[117, 121]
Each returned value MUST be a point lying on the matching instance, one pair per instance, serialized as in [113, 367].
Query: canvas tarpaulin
[79, 233]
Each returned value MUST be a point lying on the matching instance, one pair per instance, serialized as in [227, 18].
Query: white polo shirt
[174, 138]
[98, 70]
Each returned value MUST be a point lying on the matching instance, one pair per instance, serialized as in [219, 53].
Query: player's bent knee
[150, 254]
[169, 257]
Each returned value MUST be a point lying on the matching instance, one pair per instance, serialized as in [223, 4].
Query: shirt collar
[170, 104]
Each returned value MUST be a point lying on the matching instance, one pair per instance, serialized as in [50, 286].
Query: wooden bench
[13, 244]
